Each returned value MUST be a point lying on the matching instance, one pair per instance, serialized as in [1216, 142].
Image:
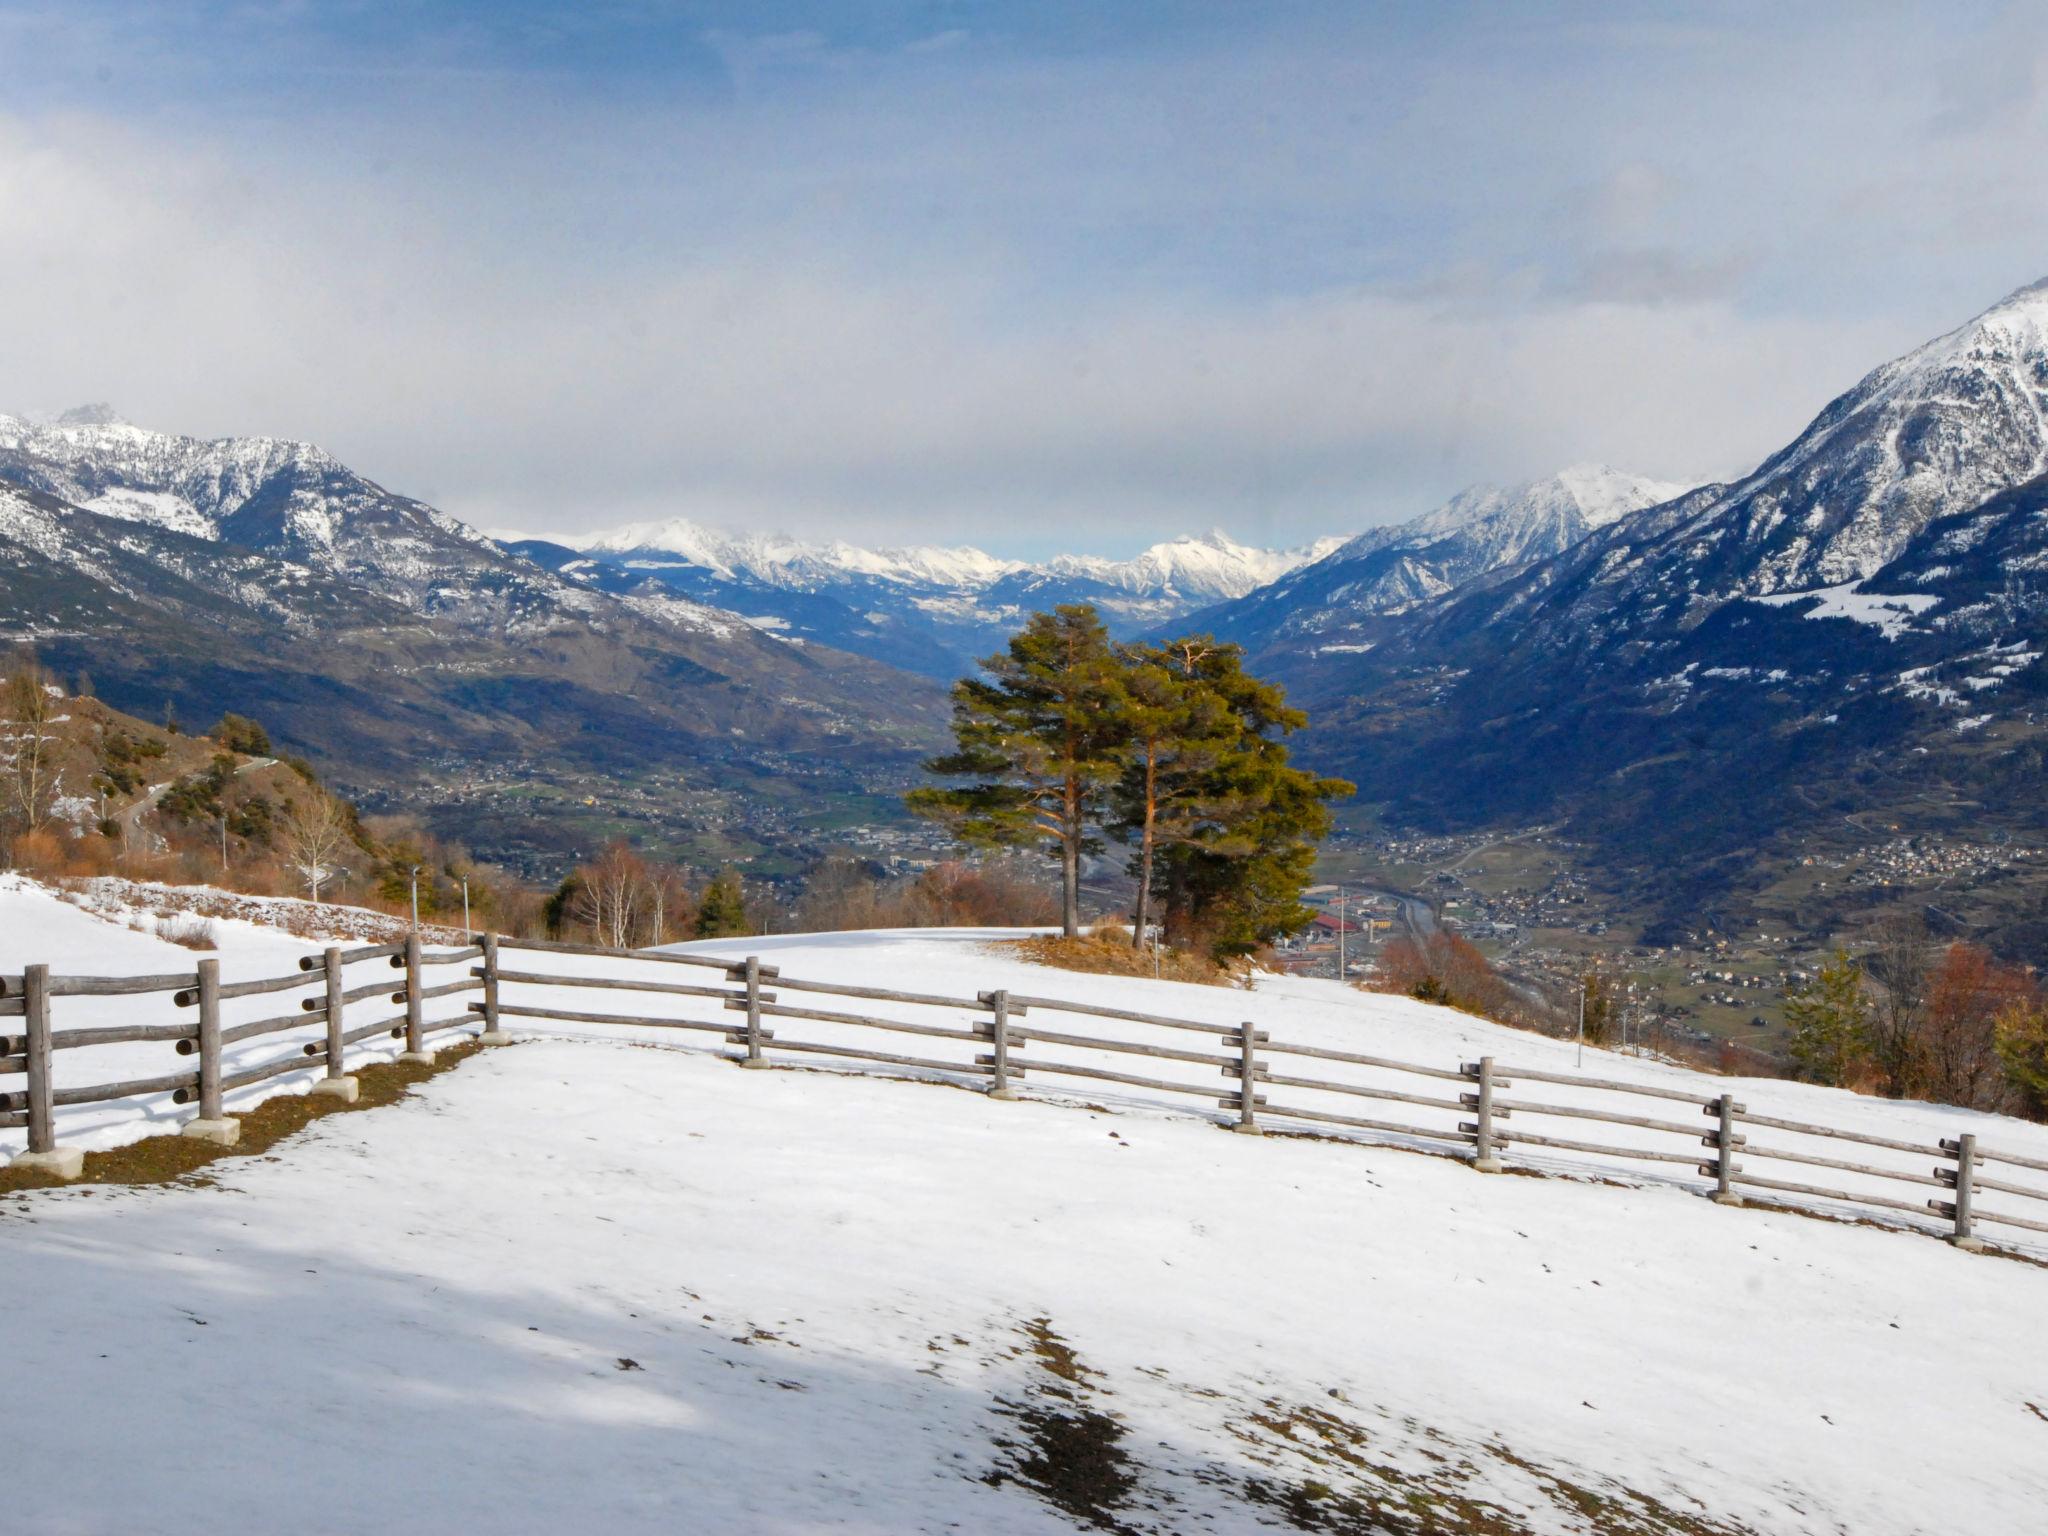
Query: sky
[1037, 277]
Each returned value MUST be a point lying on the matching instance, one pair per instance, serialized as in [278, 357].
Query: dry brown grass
[1108, 952]
[164, 1159]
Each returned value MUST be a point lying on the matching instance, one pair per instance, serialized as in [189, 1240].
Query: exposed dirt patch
[1070, 1453]
[163, 1159]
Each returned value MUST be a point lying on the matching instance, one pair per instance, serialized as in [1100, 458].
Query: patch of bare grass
[1108, 952]
[164, 1159]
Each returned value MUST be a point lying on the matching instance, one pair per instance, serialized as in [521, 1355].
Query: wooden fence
[1480, 1109]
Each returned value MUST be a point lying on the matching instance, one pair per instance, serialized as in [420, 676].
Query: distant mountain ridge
[1341, 601]
[927, 609]
[402, 648]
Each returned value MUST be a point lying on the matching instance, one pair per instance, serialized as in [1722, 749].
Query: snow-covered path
[585, 1286]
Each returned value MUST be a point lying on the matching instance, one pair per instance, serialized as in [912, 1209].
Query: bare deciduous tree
[614, 896]
[1968, 993]
[311, 835]
[30, 778]
[1899, 963]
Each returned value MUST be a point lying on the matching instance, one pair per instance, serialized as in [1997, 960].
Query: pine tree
[1177, 730]
[1830, 1019]
[1237, 862]
[1042, 736]
[1596, 1003]
[722, 909]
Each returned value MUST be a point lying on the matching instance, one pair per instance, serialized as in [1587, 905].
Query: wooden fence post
[35, 1001]
[751, 973]
[999, 1037]
[212, 1125]
[494, 1033]
[1484, 1158]
[415, 1043]
[43, 1153]
[1963, 1179]
[337, 1084]
[1247, 1082]
[1725, 1141]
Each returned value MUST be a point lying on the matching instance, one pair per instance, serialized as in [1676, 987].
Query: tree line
[1068, 740]
[1912, 1019]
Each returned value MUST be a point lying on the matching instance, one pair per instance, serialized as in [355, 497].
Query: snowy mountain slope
[398, 647]
[930, 609]
[1938, 431]
[669, 1282]
[291, 501]
[1635, 688]
[1481, 534]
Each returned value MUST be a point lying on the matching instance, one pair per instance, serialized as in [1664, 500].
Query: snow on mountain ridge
[1943, 427]
[1210, 566]
[90, 457]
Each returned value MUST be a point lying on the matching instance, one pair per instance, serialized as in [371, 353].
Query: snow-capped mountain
[929, 609]
[1481, 533]
[293, 502]
[1859, 624]
[396, 643]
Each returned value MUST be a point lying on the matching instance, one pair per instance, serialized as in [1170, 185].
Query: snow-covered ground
[581, 1284]
[964, 962]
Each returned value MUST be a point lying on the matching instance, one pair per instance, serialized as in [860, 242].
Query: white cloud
[1289, 282]
[741, 385]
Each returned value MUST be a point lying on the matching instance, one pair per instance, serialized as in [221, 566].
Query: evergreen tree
[1596, 1004]
[722, 909]
[1830, 1019]
[1177, 729]
[1234, 869]
[1042, 736]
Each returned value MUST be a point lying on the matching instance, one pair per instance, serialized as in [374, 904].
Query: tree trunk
[1143, 911]
[1070, 885]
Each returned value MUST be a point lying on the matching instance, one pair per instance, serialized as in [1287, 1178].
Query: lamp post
[415, 898]
[1342, 968]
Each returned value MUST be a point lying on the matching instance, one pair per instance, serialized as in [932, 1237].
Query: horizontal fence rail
[999, 1040]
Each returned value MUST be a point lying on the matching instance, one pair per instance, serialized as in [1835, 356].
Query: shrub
[242, 735]
[187, 930]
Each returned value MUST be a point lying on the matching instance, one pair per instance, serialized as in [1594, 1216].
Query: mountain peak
[94, 414]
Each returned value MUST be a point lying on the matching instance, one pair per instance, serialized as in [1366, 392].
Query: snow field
[582, 1286]
[960, 963]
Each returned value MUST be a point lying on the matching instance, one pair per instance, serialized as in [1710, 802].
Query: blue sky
[1031, 276]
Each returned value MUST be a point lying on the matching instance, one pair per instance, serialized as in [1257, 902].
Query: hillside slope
[782, 1301]
[1705, 689]
[405, 652]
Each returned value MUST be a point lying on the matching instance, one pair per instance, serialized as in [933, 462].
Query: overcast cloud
[1034, 278]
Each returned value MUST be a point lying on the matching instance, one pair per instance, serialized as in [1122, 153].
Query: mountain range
[418, 661]
[930, 610]
[1692, 679]
[1702, 686]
